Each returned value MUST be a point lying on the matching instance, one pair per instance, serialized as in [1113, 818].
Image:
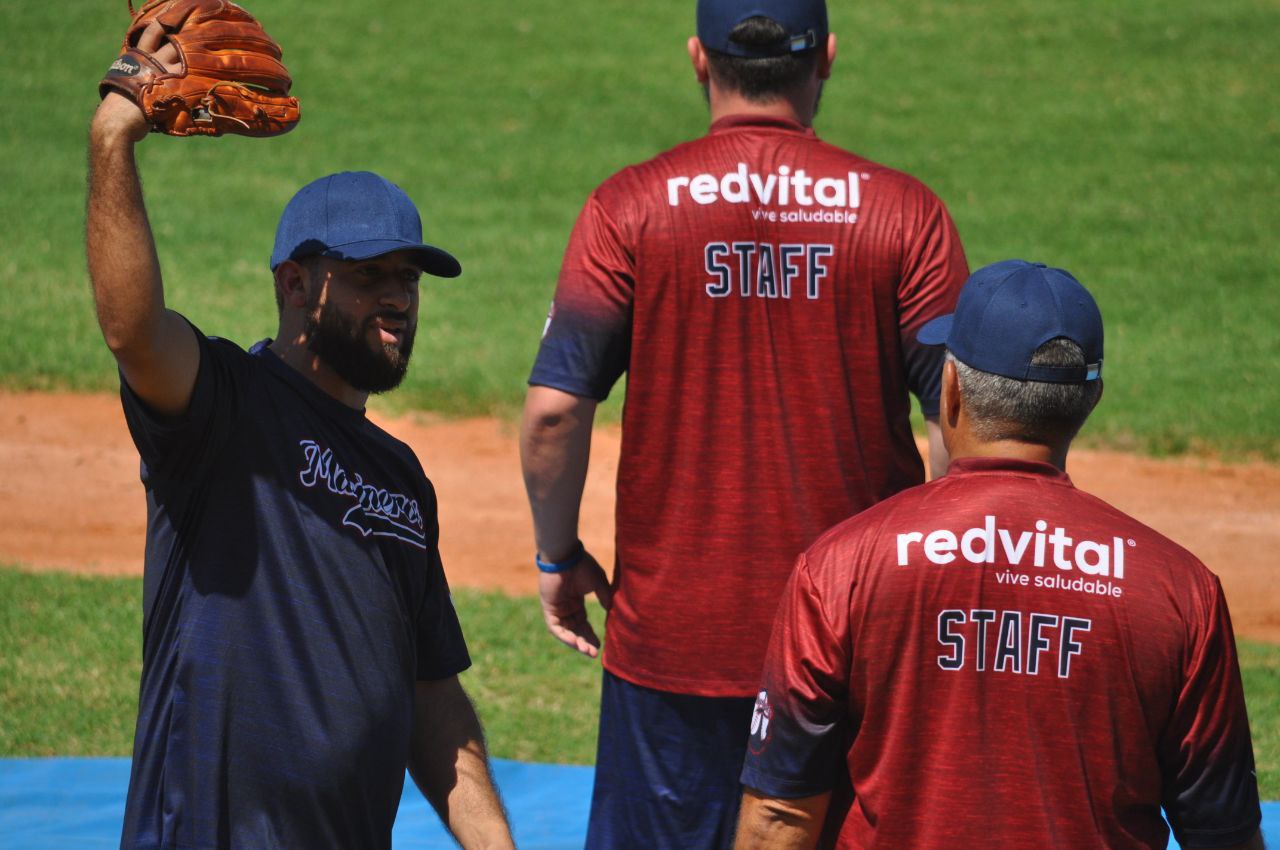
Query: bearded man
[299, 645]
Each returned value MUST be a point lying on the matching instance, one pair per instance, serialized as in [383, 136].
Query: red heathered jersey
[1016, 664]
[761, 289]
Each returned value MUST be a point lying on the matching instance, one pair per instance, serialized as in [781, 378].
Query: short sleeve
[586, 345]
[934, 269]
[800, 730]
[178, 448]
[442, 650]
[1206, 754]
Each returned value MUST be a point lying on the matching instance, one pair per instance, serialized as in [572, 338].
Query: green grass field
[1133, 143]
[69, 675]
[71, 661]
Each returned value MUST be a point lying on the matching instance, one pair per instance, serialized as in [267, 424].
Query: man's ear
[291, 283]
[698, 56]
[949, 406]
[828, 58]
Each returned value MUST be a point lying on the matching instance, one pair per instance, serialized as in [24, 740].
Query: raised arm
[555, 445]
[448, 762]
[155, 348]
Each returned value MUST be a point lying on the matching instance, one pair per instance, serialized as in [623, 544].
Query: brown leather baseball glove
[228, 76]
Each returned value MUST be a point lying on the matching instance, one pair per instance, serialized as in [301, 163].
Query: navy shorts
[667, 768]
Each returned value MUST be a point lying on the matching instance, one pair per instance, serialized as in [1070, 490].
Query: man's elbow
[123, 345]
[538, 423]
[129, 337]
[549, 413]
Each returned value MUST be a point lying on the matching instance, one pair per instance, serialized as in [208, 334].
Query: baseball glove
[228, 79]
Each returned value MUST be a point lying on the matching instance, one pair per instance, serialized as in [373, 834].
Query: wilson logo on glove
[124, 66]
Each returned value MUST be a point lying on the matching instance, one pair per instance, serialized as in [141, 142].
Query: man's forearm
[471, 809]
[771, 823]
[449, 764]
[555, 448]
[123, 266]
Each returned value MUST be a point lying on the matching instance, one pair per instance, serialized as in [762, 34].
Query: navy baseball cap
[804, 20]
[356, 215]
[1009, 309]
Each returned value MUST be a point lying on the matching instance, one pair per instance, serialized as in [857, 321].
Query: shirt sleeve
[178, 448]
[1211, 789]
[933, 271]
[800, 730]
[442, 650]
[587, 341]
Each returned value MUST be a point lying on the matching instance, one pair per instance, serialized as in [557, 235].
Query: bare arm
[555, 446]
[155, 347]
[772, 823]
[938, 457]
[448, 763]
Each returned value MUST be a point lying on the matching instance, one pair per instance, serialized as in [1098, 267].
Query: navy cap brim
[432, 260]
[936, 331]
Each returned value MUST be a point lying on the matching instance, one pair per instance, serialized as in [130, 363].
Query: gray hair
[1003, 408]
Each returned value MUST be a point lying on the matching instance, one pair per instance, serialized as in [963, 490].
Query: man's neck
[1012, 449]
[296, 355]
[724, 104]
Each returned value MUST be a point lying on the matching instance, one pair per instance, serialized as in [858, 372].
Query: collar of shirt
[1008, 465]
[747, 120]
[293, 377]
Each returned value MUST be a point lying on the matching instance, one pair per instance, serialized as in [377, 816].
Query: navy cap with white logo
[356, 215]
[1009, 309]
[804, 20]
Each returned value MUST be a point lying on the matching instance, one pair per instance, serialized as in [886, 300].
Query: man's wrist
[118, 119]
[567, 562]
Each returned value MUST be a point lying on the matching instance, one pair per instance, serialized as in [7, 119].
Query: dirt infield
[70, 500]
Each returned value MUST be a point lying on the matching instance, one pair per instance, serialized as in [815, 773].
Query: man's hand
[564, 603]
[117, 115]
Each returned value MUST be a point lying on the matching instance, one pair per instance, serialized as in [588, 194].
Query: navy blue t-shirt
[293, 594]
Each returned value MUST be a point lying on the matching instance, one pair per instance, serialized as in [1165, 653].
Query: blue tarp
[61, 803]
[58, 803]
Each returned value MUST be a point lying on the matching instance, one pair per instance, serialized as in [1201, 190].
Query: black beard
[334, 338]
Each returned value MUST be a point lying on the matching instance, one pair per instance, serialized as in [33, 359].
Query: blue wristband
[570, 561]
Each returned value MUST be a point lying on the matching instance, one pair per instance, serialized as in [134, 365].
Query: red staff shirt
[761, 290]
[998, 659]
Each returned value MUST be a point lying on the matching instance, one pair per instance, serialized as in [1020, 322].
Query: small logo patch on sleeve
[761, 717]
